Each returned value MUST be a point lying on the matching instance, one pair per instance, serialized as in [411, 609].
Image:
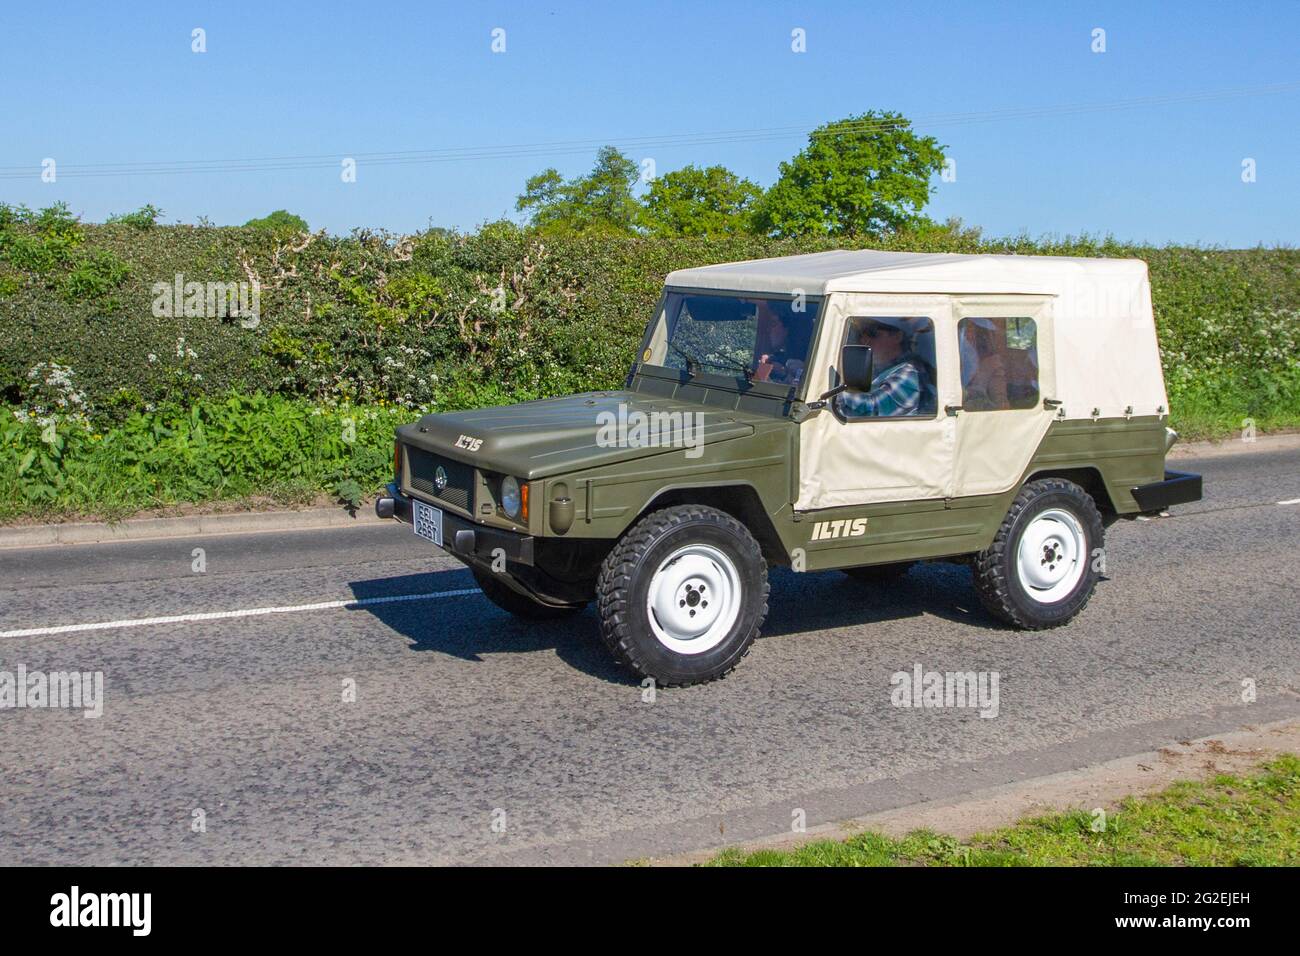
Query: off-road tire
[880, 573]
[520, 605]
[624, 582]
[997, 578]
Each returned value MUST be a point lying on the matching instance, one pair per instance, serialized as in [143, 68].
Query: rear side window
[999, 363]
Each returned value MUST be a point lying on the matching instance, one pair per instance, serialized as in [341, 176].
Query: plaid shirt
[895, 391]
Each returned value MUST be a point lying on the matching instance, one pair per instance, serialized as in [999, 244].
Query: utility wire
[454, 154]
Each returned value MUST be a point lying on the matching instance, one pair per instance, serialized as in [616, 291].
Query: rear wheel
[1040, 571]
[520, 605]
[683, 595]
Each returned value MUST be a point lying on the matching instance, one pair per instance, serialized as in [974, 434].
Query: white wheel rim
[1052, 556]
[694, 599]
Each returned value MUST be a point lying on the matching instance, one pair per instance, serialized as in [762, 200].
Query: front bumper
[1178, 488]
[462, 538]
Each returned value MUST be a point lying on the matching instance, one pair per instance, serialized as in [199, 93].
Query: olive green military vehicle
[853, 411]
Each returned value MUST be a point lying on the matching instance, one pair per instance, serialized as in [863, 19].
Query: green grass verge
[240, 448]
[1214, 424]
[1222, 406]
[1251, 820]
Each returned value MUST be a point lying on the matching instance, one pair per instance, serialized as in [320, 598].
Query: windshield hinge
[802, 411]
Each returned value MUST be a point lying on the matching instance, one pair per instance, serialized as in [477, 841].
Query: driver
[771, 343]
[896, 389]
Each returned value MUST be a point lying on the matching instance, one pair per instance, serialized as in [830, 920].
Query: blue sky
[96, 83]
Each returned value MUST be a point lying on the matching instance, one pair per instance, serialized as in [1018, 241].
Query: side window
[999, 363]
[903, 370]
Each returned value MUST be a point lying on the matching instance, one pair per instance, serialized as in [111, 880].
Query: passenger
[899, 384]
[983, 366]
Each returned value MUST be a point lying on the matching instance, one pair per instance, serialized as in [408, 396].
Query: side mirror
[854, 373]
[855, 368]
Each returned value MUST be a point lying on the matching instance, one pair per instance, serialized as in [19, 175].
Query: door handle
[952, 410]
[1051, 403]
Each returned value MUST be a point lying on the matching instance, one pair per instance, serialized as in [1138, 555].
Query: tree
[601, 200]
[707, 202]
[863, 175]
[280, 221]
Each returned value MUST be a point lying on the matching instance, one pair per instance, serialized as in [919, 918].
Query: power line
[453, 154]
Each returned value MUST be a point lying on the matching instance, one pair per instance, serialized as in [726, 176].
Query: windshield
[758, 338]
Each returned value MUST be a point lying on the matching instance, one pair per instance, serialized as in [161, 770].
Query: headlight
[511, 500]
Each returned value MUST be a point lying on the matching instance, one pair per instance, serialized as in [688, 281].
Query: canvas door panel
[993, 448]
[886, 459]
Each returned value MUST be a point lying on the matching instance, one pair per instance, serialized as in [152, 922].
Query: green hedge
[460, 321]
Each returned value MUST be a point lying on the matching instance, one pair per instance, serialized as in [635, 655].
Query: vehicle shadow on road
[830, 599]
[470, 626]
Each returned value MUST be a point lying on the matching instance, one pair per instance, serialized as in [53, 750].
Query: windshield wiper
[692, 363]
[744, 370]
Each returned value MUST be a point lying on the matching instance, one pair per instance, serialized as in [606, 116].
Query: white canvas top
[868, 270]
[1107, 356]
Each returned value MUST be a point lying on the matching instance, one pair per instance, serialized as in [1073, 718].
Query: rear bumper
[1178, 488]
[461, 538]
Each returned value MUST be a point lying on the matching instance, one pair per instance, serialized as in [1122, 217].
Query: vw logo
[440, 478]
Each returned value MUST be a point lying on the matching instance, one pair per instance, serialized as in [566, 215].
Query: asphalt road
[464, 718]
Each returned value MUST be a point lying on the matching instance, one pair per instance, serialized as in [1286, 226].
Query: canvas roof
[869, 270]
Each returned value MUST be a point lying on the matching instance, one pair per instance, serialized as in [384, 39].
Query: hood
[554, 435]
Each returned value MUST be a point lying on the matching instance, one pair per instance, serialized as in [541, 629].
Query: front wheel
[1041, 568]
[683, 595]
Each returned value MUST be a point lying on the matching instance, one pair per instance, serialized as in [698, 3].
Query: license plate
[427, 522]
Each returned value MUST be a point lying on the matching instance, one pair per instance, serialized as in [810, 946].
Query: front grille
[423, 466]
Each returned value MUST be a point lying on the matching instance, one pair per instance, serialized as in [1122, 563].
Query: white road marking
[245, 612]
[1290, 501]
